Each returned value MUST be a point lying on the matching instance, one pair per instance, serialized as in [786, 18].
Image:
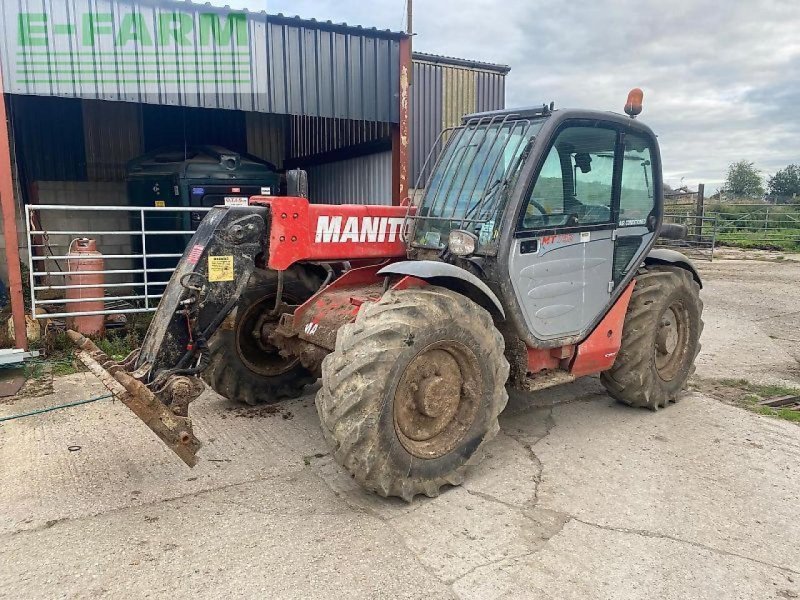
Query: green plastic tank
[196, 176]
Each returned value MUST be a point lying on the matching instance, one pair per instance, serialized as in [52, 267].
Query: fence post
[144, 262]
[699, 210]
[714, 236]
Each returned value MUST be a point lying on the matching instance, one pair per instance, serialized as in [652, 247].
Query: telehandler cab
[528, 261]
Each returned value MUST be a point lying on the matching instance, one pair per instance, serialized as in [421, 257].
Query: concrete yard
[578, 497]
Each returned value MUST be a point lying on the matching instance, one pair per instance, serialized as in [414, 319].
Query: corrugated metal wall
[426, 116]
[113, 136]
[313, 135]
[490, 89]
[178, 125]
[93, 140]
[444, 90]
[267, 137]
[458, 87]
[362, 180]
[183, 54]
[49, 140]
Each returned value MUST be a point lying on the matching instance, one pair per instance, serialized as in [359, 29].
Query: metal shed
[90, 84]
[183, 70]
[183, 54]
[444, 89]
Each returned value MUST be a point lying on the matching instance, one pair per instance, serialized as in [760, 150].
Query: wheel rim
[437, 399]
[255, 352]
[671, 340]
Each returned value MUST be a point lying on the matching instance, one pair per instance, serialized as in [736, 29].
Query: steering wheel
[538, 207]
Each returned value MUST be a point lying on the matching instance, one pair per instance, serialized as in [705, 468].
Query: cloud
[721, 79]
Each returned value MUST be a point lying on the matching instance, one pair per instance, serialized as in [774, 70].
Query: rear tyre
[660, 339]
[413, 390]
[243, 367]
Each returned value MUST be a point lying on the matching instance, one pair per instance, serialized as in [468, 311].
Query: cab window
[575, 185]
[637, 193]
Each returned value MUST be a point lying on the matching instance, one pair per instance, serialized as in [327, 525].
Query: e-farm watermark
[134, 47]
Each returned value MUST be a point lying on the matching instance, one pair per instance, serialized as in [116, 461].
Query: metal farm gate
[135, 272]
[765, 226]
[688, 208]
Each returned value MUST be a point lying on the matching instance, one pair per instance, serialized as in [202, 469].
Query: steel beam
[400, 132]
[10, 228]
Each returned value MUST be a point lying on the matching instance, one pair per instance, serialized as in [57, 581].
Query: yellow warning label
[220, 268]
[161, 204]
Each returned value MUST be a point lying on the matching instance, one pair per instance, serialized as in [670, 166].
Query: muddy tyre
[660, 339]
[244, 368]
[413, 390]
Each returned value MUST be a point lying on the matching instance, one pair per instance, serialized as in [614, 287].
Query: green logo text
[168, 29]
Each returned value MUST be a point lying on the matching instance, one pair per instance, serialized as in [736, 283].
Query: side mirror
[672, 231]
[297, 183]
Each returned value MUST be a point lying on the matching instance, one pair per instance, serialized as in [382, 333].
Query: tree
[743, 181]
[785, 184]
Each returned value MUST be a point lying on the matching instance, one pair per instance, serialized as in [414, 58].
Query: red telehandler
[528, 262]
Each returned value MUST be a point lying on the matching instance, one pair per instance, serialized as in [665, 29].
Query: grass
[57, 351]
[66, 367]
[34, 369]
[751, 226]
[789, 240]
[5, 338]
[56, 357]
[57, 354]
[118, 346]
[752, 394]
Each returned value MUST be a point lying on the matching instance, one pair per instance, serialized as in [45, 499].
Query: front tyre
[246, 368]
[660, 339]
[413, 391]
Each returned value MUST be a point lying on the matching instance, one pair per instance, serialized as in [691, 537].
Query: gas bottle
[83, 257]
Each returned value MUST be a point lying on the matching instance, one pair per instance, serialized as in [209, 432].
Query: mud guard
[665, 256]
[448, 276]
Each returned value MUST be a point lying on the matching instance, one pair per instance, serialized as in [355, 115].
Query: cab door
[562, 255]
[640, 194]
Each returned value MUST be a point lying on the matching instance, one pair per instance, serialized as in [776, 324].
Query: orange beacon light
[634, 104]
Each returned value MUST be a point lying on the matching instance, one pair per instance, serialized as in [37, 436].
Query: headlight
[462, 243]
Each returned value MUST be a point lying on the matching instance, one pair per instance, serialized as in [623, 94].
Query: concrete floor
[578, 497]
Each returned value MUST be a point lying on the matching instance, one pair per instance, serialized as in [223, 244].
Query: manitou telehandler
[528, 261]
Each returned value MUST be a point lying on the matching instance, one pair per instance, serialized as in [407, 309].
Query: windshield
[467, 189]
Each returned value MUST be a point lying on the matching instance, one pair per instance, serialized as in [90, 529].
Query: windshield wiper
[499, 185]
[485, 198]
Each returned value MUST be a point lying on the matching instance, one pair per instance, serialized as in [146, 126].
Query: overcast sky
[721, 79]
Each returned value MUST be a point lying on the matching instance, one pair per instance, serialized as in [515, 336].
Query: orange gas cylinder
[83, 259]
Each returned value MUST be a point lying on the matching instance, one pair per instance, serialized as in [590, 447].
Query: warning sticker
[161, 204]
[220, 268]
